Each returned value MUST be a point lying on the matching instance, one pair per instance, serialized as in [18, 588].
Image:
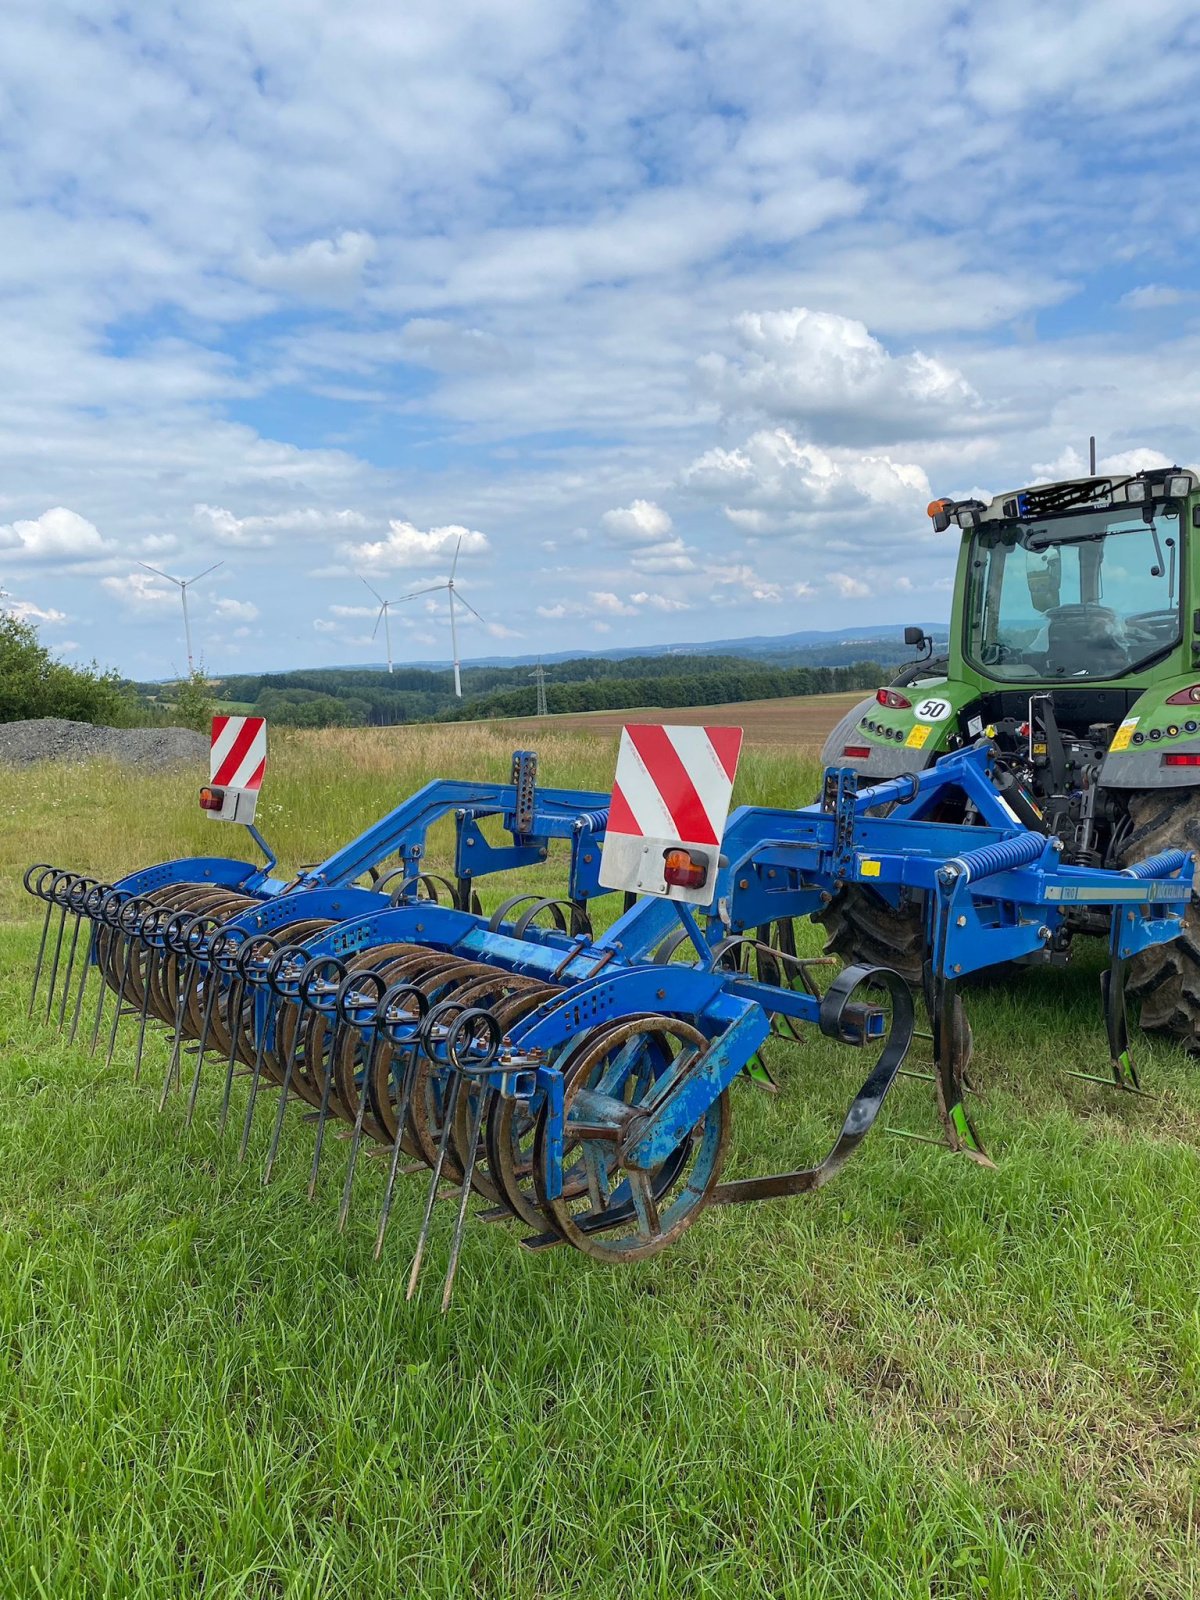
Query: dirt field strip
[801, 722]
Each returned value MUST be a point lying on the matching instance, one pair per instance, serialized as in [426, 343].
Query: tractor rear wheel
[1166, 977]
[864, 930]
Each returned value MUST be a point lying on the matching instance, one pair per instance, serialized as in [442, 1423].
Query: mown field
[929, 1380]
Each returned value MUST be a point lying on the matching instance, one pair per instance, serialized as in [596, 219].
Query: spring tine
[260, 1046]
[326, 1090]
[66, 988]
[58, 943]
[402, 1104]
[112, 1036]
[288, 1068]
[448, 1111]
[84, 975]
[236, 998]
[100, 999]
[468, 1174]
[211, 986]
[181, 1000]
[41, 956]
[143, 1016]
[356, 1139]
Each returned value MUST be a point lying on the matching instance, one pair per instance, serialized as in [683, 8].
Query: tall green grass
[927, 1380]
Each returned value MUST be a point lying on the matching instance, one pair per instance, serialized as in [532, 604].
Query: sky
[676, 313]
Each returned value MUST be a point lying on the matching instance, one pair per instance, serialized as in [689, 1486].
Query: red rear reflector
[893, 699]
[1181, 758]
[683, 870]
[1185, 697]
[212, 799]
[857, 752]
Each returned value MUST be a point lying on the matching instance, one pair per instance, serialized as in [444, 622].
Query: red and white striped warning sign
[670, 801]
[238, 757]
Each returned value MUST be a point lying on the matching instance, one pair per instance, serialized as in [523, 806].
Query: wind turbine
[384, 606]
[183, 585]
[451, 590]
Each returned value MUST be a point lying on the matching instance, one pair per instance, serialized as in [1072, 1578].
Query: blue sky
[679, 313]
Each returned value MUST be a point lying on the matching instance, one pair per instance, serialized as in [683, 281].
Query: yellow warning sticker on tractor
[918, 736]
[1124, 734]
[869, 869]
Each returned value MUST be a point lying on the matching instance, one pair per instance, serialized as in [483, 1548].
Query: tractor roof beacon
[1074, 647]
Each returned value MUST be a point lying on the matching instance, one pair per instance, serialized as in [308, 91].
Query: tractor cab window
[1091, 595]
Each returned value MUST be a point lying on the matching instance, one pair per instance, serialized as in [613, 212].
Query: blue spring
[1000, 857]
[1166, 862]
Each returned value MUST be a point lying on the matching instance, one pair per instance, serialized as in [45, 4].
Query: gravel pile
[51, 739]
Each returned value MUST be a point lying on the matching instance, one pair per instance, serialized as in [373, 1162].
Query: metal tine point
[449, 1108]
[468, 1173]
[289, 1067]
[211, 985]
[410, 1052]
[84, 974]
[66, 988]
[237, 1001]
[41, 955]
[260, 1045]
[359, 1117]
[58, 943]
[127, 948]
[181, 1005]
[323, 1116]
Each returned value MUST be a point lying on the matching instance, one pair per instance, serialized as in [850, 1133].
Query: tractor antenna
[1092, 456]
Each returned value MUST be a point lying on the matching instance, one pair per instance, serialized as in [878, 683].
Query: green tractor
[1074, 646]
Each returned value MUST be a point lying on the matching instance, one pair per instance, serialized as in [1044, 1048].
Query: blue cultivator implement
[577, 1082]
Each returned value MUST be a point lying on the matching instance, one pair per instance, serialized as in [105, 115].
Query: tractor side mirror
[914, 637]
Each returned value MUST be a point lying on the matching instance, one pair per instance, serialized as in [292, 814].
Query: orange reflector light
[934, 506]
[1182, 758]
[893, 699]
[683, 870]
[212, 799]
[857, 752]
[1185, 697]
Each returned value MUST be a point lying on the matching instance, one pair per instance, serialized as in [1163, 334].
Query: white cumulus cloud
[140, 591]
[641, 523]
[407, 546]
[57, 532]
[236, 610]
[257, 532]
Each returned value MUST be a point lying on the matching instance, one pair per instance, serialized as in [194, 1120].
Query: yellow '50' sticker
[869, 869]
[918, 736]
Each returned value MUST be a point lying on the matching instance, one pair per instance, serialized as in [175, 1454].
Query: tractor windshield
[1090, 595]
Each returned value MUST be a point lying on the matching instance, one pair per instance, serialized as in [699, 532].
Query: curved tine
[376, 981]
[95, 899]
[150, 931]
[192, 937]
[259, 980]
[42, 870]
[472, 1045]
[129, 918]
[449, 1109]
[106, 915]
[76, 902]
[291, 987]
[233, 965]
[327, 1060]
[407, 1050]
[60, 893]
[217, 946]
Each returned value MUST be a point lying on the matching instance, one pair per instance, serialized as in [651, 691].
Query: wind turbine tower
[453, 593]
[183, 585]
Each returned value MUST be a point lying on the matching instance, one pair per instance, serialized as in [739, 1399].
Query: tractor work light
[1185, 697]
[212, 799]
[939, 512]
[1178, 487]
[1135, 490]
[893, 699]
[683, 870]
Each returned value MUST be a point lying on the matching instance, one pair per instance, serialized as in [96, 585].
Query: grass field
[929, 1380]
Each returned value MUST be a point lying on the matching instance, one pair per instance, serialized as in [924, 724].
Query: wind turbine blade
[205, 573]
[454, 563]
[176, 581]
[432, 589]
[379, 618]
[375, 592]
[458, 595]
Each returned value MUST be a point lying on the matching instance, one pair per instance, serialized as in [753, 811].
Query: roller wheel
[1166, 977]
